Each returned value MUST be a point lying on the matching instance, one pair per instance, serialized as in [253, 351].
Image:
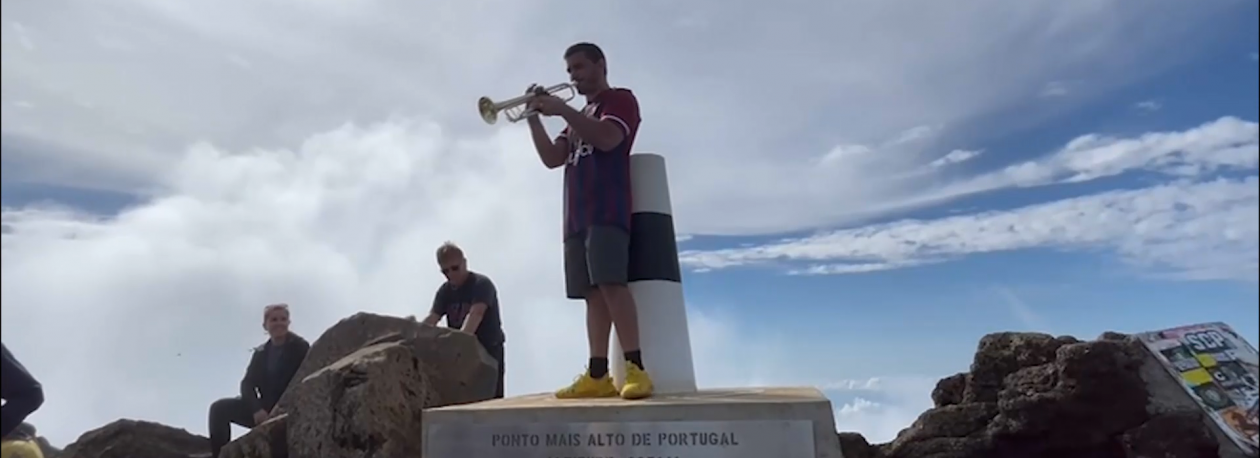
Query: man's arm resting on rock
[437, 311]
[482, 297]
[475, 314]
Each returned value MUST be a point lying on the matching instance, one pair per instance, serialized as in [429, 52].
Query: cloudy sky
[865, 188]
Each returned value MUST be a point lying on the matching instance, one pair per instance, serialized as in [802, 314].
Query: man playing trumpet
[595, 152]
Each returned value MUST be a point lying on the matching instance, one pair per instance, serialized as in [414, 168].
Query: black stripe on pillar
[653, 248]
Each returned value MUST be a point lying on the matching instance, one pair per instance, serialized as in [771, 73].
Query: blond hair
[273, 307]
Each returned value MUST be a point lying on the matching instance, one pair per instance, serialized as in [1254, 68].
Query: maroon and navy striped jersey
[597, 182]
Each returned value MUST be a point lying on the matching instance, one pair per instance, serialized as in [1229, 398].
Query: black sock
[635, 357]
[598, 367]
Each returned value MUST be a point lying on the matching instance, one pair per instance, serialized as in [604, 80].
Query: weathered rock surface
[138, 439]
[268, 440]
[856, 446]
[367, 404]
[366, 400]
[1040, 396]
[1172, 435]
[359, 393]
[47, 449]
[467, 372]
[366, 381]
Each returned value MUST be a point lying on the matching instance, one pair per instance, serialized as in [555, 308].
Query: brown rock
[1086, 398]
[945, 447]
[950, 390]
[853, 445]
[1112, 335]
[956, 421]
[1000, 355]
[1038, 396]
[468, 373]
[268, 440]
[1171, 435]
[138, 439]
[47, 449]
[367, 404]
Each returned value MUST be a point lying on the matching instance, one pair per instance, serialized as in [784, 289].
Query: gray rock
[367, 404]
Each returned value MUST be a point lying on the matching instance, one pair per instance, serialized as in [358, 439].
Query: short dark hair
[449, 251]
[590, 50]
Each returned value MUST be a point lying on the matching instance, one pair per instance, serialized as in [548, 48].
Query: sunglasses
[450, 269]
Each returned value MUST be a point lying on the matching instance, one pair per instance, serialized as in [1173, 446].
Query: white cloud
[877, 71]
[1055, 89]
[955, 157]
[1176, 226]
[899, 403]
[1194, 230]
[22, 36]
[1149, 106]
[1226, 144]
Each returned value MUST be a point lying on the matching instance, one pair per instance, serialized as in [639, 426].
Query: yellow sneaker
[586, 387]
[638, 384]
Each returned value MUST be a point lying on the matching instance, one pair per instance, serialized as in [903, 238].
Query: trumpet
[515, 109]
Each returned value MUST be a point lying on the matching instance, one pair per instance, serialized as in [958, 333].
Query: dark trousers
[223, 414]
[496, 352]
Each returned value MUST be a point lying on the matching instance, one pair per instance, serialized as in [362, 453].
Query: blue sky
[918, 175]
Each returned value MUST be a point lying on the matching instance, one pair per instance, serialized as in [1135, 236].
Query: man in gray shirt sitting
[470, 304]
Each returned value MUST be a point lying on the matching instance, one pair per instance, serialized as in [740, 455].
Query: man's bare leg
[598, 324]
[624, 314]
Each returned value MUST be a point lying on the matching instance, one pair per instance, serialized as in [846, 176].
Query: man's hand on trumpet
[545, 103]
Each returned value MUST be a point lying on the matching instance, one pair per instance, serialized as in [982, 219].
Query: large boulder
[1038, 396]
[48, 450]
[1172, 435]
[463, 371]
[268, 440]
[138, 439]
[367, 404]
[363, 386]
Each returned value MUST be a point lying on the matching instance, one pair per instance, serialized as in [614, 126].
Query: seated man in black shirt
[470, 303]
[271, 368]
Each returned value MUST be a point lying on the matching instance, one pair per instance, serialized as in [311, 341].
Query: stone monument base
[720, 423]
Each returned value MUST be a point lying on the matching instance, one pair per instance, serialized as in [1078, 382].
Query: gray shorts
[599, 256]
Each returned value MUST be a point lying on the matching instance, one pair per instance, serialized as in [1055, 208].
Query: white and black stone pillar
[656, 283]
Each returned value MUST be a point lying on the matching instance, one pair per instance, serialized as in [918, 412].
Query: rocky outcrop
[268, 440]
[468, 373]
[47, 448]
[367, 379]
[358, 394]
[365, 405]
[135, 439]
[373, 377]
[1040, 396]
